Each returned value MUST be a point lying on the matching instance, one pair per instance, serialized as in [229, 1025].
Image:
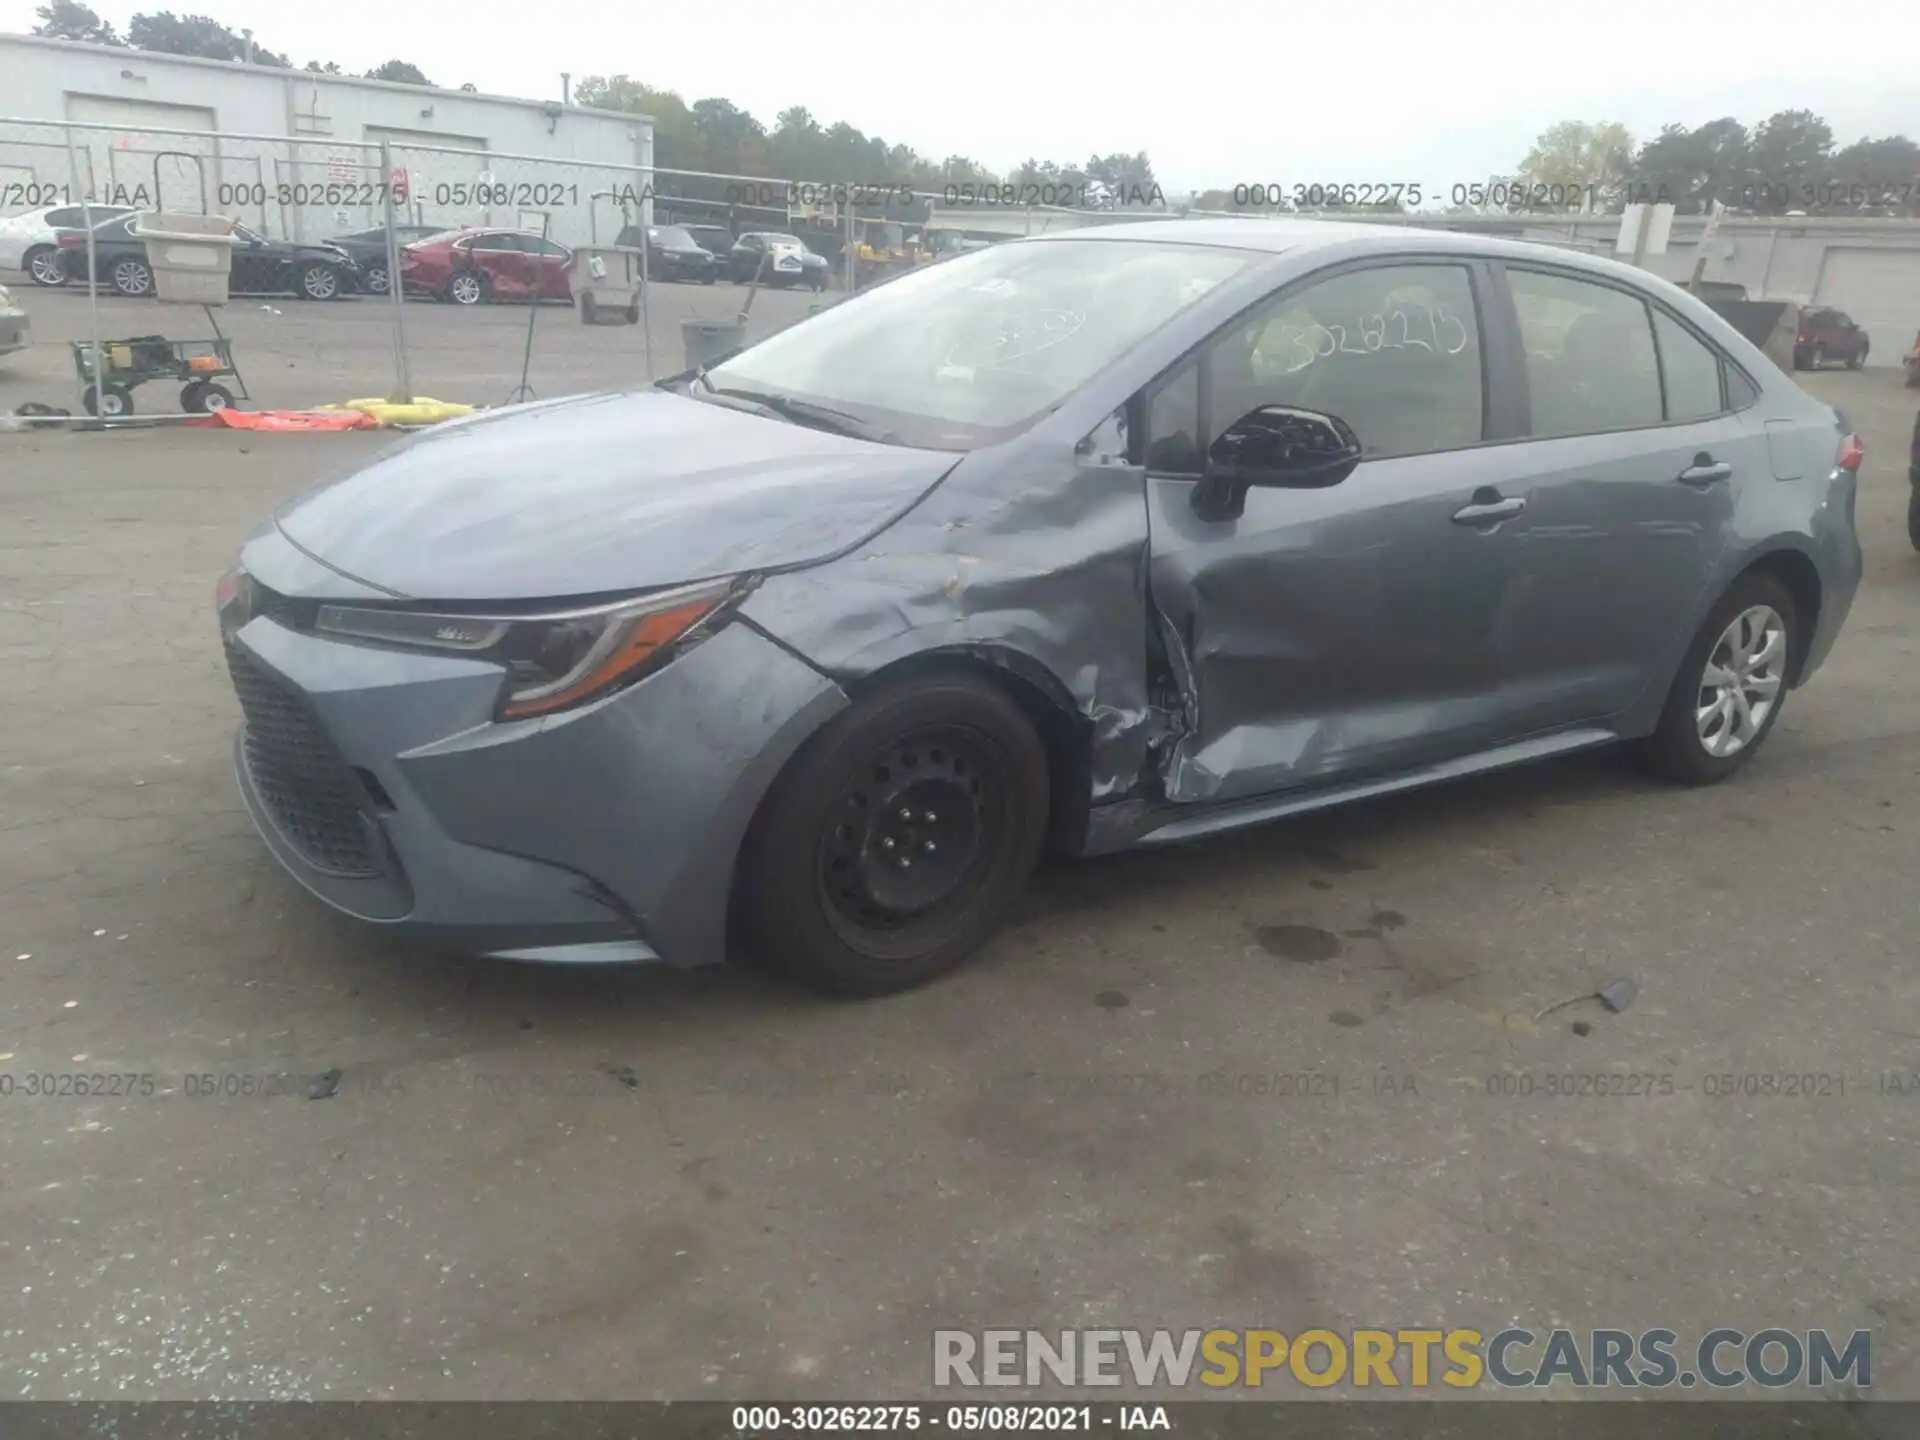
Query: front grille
[300, 775]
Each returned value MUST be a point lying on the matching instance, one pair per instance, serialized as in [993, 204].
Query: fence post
[403, 385]
[93, 275]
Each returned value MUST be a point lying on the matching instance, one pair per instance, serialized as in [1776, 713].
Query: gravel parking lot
[296, 354]
[1275, 1080]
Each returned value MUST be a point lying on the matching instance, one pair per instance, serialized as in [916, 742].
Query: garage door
[130, 165]
[1880, 289]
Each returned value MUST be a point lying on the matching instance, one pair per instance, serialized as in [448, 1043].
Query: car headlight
[556, 661]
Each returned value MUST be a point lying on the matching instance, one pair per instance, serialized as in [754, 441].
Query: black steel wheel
[894, 842]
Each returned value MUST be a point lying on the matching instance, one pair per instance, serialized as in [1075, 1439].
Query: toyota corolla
[1081, 542]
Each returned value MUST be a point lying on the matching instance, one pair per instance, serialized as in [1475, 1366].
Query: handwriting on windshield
[1432, 328]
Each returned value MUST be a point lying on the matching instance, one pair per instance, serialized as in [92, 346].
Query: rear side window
[62, 218]
[1589, 355]
[1691, 370]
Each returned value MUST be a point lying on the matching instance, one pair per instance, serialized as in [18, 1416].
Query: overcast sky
[1218, 92]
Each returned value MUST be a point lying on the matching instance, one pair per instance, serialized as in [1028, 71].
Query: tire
[373, 279]
[467, 287]
[317, 281]
[1681, 747]
[131, 277]
[115, 400]
[1857, 359]
[813, 898]
[203, 397]
[1913, 517]
[45, 266]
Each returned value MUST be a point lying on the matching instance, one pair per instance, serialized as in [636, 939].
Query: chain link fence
[450, 272]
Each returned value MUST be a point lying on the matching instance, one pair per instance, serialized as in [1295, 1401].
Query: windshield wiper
[805, 412]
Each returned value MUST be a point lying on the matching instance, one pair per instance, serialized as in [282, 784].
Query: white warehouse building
[298, 154]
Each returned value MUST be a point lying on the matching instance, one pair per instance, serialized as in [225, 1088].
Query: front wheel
[373, 279]
[1731, 684]
[318, 282]
[894, 842]
[44, 266]
[112, 402]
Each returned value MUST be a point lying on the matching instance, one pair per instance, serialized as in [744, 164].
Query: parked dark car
[1107, 538]
[778, 259]
[716, 240]
[482, 263]
[369, 251]
[672, 254]
[260, 266]
[1827, 335]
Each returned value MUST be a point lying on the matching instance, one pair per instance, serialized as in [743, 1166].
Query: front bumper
[602, 834]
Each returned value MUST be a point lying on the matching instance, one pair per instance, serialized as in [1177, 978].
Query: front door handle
[1489, 512]
[1705, 471]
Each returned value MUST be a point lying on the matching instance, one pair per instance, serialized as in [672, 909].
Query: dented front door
[1356, 628]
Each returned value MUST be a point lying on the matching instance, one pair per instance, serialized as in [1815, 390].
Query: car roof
[1276, 236]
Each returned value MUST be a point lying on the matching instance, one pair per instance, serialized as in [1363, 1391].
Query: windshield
[964, 354]
[672, 237]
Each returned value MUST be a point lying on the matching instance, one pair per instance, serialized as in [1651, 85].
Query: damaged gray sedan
[1098, 540]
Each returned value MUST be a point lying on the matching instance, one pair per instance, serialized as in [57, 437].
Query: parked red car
[468, 266]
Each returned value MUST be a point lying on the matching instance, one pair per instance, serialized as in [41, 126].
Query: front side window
[1589, 355]
[1393, 350]
[975, 350]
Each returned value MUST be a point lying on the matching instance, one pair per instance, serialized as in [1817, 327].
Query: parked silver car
[1093, 540]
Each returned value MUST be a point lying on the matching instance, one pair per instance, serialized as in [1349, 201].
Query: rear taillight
[1852, 452]
[69, 242]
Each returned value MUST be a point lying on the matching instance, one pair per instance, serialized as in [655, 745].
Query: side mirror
[1276, 445]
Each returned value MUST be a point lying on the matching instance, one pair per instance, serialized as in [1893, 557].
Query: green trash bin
[707, 340]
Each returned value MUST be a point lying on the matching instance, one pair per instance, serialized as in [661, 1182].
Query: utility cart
[190, 255]
[124, 364]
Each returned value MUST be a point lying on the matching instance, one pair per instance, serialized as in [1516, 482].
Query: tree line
[1787, 162]
[166, 33]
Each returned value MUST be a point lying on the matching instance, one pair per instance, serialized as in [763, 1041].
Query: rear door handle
[1705, 470]
[1490, 511]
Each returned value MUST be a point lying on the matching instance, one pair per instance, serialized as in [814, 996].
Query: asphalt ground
[1288, 1078]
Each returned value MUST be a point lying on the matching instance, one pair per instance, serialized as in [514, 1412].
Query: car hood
[598, 494]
